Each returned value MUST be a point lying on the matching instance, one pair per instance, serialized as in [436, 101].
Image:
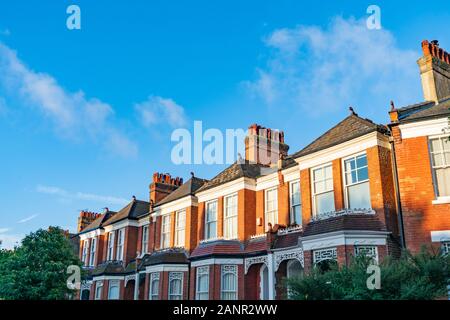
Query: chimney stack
[85, 218]
[264, 146]
[162, 185]
[434, 71]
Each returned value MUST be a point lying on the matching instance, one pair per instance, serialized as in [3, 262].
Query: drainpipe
[397, 191]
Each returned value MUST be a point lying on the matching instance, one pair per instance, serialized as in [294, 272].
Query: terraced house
[360, 188]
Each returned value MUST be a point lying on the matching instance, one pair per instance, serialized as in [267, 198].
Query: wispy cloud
[59, 192]
[4, 230]
[157, 110]
[27, 219]
[73, 114]
[320, 70]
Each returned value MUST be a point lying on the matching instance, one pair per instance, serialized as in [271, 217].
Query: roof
[132, 210]
[350, 128]
[237, 170]
[170, 256]
[109, 268]
[188, 188]
[424, 110]
[345, 222]
[97, 223]
[219, 247]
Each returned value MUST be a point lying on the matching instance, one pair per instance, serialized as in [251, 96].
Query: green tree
[411, 277]
[36, 270]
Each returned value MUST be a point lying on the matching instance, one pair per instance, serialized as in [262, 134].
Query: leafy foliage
[411, 277]
[36, 270]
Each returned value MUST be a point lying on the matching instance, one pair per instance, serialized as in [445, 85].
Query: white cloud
[73, 114]
[159, 110]
[80, 195]
[9, 241]
[319, 70]
[4, 230]
[24, 220]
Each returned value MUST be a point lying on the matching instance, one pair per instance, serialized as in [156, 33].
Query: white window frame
[111, 284]
[224, 270]
[445, 246]
[180, 230]
[120, 244]
[230, 221]
[175, 276]
[85, 252]
[92, 252]
[293, 205]
[145, 235]
[110, 252]
[202, 272]
[433, 167]
[273, 212]
[313, 192]
[155, 277]
[166, 222]
[347, 185]
[209, 222]
[98, 290]
[369, 251]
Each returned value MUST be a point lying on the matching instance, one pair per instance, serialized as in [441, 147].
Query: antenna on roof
[192, 174]
[392, 106]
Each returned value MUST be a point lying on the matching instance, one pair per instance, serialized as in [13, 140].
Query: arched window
[175, 285]
[229, 282]
[294, 269]
[154, 286]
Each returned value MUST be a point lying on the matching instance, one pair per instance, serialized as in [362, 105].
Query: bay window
[440, 160]
[356, 182]
[322, 187]
[202, 292]
[211, 220]
[154, 286]
[113, 291]
[175, 285]
[230, 217]
[98, 290]
[271, 207]
[295, 203]
[165, 232]
[180, 226]
[229, 283]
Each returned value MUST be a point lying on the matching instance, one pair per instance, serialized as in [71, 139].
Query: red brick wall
[130, 244]
[201, 222]
[220, 217]
[305, 186]
[191, 230]
[417, 193]
[246, 214]
[252, 283]
[338, 184]
[259, 204]
[283, 201]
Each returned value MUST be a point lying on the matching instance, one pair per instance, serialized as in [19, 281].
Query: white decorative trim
[258, 236]
[267, 182]
[423, 128]
[92, 234]
[167, 267]
[254, 260]
[291, 174]
[341, 238]
[281, 256]
[226, 189]
[176, 205]
[207, 262]
[86, 285]
[101, 278]
[440, 236]
[441, 200]
[128, 278]
[211, 240]
[288, 230]
[121, 224]
[324, 254]
[343, 150]
[144, 221]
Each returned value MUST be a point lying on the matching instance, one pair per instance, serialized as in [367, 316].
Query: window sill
[441, 200]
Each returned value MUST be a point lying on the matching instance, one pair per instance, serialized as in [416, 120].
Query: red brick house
[275, 215]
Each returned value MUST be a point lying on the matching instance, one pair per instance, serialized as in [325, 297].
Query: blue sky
[86, 115]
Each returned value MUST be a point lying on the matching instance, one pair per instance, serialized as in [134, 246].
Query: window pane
[446, 143]
[318, 174]
[359, 196]
[363, 174]
[325, 202]
[443, 181]
[435, 145]
[361, 161]
[437, 159]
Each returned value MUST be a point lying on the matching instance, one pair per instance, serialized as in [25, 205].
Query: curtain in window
[202, 283]
[229, 283]
[175, 289]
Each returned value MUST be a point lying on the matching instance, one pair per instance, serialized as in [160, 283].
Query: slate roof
[350, 128]
[97, 223]
[235, 171]
[132, 210]
[188, 188]
[171, 256]
[424, 110]
[109, 268]
[219, 247]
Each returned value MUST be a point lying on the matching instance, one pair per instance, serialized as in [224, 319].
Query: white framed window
[165, 232]
[211, 220]
[92, 254]
[85, 252]
[175, 285]
[440, 161]
[356, 182]
[295, 202]
[202, 283]
[154, 286]
[180, 228]
[110, 252]
[445, 248]
[120, 244]
[113, 290]
[229, 282]
[368, 251]
[271, 206]
[98, 290]
[230, 217]
[145, 239]
[322, 189]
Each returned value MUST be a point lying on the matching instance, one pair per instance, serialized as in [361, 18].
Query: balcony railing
[344, 212]
[291, 229]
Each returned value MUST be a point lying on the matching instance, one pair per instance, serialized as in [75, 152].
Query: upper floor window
[271, 207]
[323, 192]
[165, 232]
[295, 203]
[228, 289]
[180, 227]
[211, 220]
[202, 292]
[85, 251]
[93, 249]
[113, 291]
[175, 285]
[120, 244]
[144, 239]
[357, 182]
[446, 248]
[440, 158]
[154, 286]
[230, 217]
[110, 246]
